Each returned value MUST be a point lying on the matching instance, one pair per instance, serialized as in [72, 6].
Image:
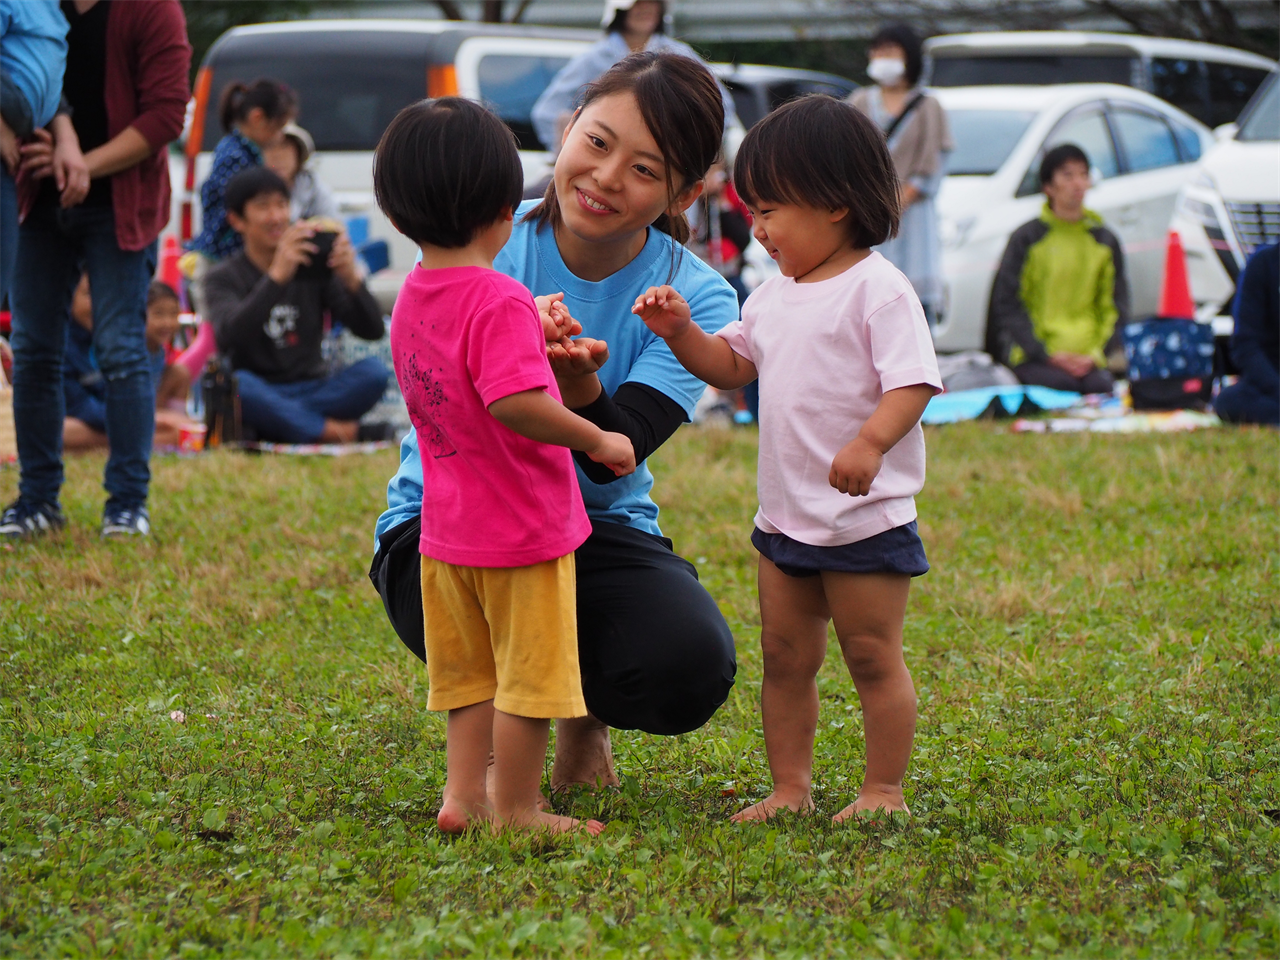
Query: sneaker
[128, 522]
[22, 520]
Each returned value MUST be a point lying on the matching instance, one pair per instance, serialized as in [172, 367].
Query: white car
[1142, 151]
[1232, 206]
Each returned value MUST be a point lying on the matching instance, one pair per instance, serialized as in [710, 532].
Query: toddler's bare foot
[539, 821]
[774, 804]
[871, 800]
[584, 755]
[543, 802]
[455, 815]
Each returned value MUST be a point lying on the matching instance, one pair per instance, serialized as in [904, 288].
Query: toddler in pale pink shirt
[846, 366]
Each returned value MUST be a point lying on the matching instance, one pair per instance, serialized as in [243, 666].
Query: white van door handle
[1130, 215]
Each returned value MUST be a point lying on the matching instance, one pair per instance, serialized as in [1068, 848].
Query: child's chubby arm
[536, 415]
[708, 358]
[557, 323]
[859, 460]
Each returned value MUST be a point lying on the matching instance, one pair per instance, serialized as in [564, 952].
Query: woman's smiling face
[610, 176]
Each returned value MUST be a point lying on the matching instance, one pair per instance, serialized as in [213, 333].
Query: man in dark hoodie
[1255, 343]
[267, 305]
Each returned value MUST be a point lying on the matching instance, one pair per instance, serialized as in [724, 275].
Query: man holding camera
[267, 305]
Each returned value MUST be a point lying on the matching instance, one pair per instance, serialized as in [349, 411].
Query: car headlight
[954, 233]
[1199, 211]
[1204, 180]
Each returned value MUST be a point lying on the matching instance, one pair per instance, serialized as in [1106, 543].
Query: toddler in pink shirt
[502, 511]
[846, 366]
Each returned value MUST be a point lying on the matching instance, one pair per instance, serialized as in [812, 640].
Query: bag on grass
[1170, 363]
[220, 388]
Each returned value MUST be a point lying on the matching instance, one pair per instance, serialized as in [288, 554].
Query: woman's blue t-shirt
[636, 355]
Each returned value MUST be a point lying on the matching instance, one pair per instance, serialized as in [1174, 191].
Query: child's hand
[854, 467]
[664, 311]
[557, 323]
[615, 451]
[581, 357]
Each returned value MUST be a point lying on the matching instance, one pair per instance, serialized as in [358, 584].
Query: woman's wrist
[579, 390]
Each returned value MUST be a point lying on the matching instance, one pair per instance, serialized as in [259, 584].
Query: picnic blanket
[318, 449]
[957, 405]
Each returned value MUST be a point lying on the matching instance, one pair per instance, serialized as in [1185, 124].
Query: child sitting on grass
[501, 509]
[172, 380]
[846, 366]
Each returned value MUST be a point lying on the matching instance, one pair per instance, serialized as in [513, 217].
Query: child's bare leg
[468, 740]
[868, 609]
[793, 638]
[519, 753]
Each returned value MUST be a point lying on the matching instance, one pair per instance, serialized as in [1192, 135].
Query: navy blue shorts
[895, 551]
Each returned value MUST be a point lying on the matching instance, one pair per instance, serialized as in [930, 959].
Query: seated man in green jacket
[1061, 289]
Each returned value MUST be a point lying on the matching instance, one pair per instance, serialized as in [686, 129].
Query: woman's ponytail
[273, 98]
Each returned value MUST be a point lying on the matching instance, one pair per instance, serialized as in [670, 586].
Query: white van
[1211, 82]
[1232, 206]
[352, 77]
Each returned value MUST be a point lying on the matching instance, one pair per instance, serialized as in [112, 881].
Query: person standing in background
[919, 140]
[631, 26]
[95, 191]
[33, 54]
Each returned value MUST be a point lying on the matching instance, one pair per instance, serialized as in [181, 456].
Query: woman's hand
[58, 155]
[577, 358]
[557, 323]
[854, 467]
[664, 311]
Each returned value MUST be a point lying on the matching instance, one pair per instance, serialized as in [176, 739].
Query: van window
[1088, 130]
[1031, 69]
[1230, 88]
[344, 104]
[511, 83]
[1146, 140]
[1181, 82]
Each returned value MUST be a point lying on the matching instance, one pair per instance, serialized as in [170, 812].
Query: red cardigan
[147, 88]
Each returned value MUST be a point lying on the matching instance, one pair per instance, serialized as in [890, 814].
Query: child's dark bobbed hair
[446, 169]
[275, 99]
[821, 152]
[1059, 157]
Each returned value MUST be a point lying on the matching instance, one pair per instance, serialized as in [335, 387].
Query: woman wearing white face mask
[919, 140]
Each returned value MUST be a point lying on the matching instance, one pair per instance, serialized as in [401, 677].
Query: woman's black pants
[655, 652]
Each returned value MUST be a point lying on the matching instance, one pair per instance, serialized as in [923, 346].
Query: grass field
[1097, 771]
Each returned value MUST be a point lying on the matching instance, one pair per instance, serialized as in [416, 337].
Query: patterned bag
[1170, 363]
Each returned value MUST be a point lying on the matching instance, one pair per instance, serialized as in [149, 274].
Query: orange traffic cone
[169, 256]
[1175, 298]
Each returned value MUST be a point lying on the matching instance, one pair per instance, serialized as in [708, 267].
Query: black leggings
[655, 652]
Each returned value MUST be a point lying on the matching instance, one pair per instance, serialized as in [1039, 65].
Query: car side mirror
[1095, 176]
[1226, 132]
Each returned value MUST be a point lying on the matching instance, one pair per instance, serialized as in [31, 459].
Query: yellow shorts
[509, 634]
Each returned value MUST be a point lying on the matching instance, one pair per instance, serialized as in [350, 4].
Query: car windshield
[984, 139]
[1263, 120]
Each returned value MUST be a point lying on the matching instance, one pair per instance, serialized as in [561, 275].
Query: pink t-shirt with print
[462, 338]
[827, 352]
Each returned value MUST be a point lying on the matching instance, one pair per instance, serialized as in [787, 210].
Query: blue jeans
[8, 229]
[296, 412]
[54, 246]
[1245, 403]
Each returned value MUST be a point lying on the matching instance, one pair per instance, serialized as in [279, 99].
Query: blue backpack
[1170, 363]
